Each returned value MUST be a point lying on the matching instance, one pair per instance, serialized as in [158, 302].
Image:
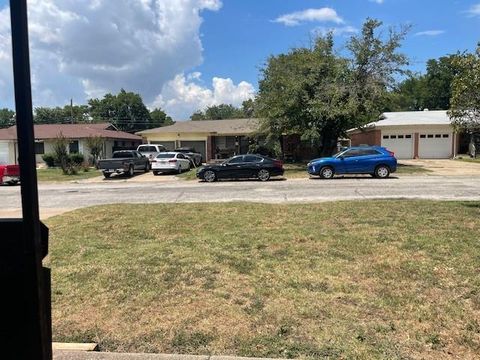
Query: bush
[76, 159]
[49, 160]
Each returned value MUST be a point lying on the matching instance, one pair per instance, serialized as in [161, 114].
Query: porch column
[210, 154]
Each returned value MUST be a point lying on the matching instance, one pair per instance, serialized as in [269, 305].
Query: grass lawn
[298, 171]
[363, 280]
[56, 174]
[467, 158]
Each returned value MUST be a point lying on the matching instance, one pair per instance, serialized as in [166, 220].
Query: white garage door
[400, 144]
[435, 146]
[4, 158]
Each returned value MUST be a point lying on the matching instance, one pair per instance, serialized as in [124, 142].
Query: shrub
[49, 159]
[76, 159]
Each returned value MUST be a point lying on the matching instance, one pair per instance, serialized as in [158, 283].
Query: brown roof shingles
[70, 131]
[230, 127]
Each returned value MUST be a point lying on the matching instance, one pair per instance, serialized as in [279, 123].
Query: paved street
[58, 198]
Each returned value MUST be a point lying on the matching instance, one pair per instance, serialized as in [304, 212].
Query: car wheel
[147, 167]
[131, 171]
[107, 175]
[156, 173]
[209, 176]
[382, 172]
[263, 175]
[326, 172]
[179, 170]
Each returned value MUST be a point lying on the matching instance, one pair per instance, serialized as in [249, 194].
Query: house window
[430, 136]
[446, 136]
[393, 137]
[408, 136]
[401, 136]
[438, 136]
[39, 148]
[423, 136]
[386, 137]
[73, 147]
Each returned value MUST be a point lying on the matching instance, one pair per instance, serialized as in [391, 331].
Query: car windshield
[147, 149]
[122, 154]
[165, 156]
[340, 153]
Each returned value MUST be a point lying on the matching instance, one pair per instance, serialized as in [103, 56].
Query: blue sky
[189, 54]
[241, 36]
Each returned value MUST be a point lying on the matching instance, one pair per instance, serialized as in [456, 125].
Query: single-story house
[214, 139]
[77, 134]
[411, 135]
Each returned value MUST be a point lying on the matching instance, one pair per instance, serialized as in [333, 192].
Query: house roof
[408, 118]
[413, 118]
[71, 131]
[230, 127]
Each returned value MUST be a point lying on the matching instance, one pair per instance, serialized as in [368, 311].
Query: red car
[9, 174]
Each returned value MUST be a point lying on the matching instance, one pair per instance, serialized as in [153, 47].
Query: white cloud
[325, 14]
[474, 10]
[337, 31]
[183, 95]
[430, 33]
[378, 1]
[86, 48]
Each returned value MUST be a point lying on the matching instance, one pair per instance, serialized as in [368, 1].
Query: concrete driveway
[446, 167]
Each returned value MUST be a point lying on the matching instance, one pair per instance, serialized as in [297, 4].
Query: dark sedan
[242, 167]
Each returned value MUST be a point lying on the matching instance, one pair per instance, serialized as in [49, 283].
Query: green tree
[432, 90]
[219, 112]
[198, 115]
[7, 118]
[248, 108]
[67, 115]
[465, 102]
[319, 94]
[95, 146]
[125, 110]
[159, 118]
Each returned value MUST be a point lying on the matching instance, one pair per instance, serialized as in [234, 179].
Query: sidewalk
[91, 355]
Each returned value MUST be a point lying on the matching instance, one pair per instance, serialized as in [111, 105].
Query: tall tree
[375, 65]
[319, 94]
[465, 102]
[125, 110]
[159, 118]
[7, 118]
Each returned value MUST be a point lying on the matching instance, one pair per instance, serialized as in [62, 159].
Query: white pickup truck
[150, 151]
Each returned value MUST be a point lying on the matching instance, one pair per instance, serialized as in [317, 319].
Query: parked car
[151, 150]
[242, 167]
[124, 162]
[170, 162]
[196, 157]
[374, 160]
[9, 174]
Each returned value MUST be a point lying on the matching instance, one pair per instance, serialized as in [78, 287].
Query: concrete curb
[89, 355]
[74, 346]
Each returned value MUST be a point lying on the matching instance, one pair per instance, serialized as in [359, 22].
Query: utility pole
[25, 328]
[71, 110]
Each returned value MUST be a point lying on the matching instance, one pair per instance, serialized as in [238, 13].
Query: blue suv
[374, 160]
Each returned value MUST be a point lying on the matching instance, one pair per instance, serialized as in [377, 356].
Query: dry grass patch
[376, 279]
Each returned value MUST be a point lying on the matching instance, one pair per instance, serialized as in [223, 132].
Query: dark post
[25, 313]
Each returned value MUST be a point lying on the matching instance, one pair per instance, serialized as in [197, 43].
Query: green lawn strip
[56, 174]
[466, 158]
[364, 280]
